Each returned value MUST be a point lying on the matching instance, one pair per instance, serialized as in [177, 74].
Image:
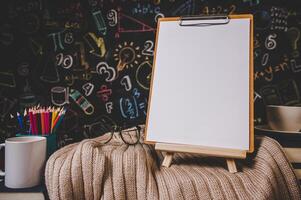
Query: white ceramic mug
[284, 118]
[24, 161]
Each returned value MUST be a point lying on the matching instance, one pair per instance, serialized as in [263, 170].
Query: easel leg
[167, 159]
[231, 165]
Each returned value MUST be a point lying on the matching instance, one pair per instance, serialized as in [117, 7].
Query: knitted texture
[92, 170]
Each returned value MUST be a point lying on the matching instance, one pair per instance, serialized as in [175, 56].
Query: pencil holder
[51, 142]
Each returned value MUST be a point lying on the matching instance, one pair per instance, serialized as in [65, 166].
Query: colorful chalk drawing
[104, 93]
[109, 107]
[126, 82]
[270, 42]
[64, 61]
[91, 39]
[148, 48]
[82, 102]
[126, 54]
[60, 95]
[131, 107]
[143, 74]
[99, 21]
[104, 69]
[128, 22]
[112, 16]
[88, 88]
[50, 73]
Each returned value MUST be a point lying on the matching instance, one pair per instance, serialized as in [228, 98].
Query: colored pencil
[20, 121]
[59, 121]
[35, 130]
[30, 121]
[42, 121]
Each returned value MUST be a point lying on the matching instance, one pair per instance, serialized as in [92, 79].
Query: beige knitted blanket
[90, 170]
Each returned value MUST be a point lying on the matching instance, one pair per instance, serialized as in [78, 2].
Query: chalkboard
[51, 51]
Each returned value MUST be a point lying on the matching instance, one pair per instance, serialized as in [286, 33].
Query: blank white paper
[200, 93]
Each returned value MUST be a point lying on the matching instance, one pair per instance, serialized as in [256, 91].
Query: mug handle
[2, 173]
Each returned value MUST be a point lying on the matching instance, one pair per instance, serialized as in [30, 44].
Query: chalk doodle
[279, 18]
[80, 75]
[7, 79]
[104, 69]
[289, 92]
[131, 22]
[82, 102]
[218, 10]
[69, 38]
[81, 55]
[91, 39]
[126, 82]
[265, 59]
[257, 96]
[145, 8]
[100, 23]
[148, 48]
[6, 38]
[88, 88]
[269, 72]
[186, 8]
[295, 67]
[270, 42]
[109, 107]
[36, 48]
[57, 40]
[50, 73]
[130, 107]
[270, 95]
[72, 25]
[104, 93]
[143, 74]
[64, 61]
[23, 69]
[27, 98]
[126, 55]
[112, 16]
[60, 95]
[294, 36]
[252, 2]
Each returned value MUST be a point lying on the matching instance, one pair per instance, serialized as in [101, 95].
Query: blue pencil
[20, 120]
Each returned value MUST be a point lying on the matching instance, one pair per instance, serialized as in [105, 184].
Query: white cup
[24, 161]
[284, 118]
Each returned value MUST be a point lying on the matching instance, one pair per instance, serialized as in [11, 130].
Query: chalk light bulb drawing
[126, 55]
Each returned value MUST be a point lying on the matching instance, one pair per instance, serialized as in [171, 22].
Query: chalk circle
[143, 74]
[159, 15]
[23, 69]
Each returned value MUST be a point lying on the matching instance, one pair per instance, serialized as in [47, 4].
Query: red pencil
[35, 123]
[31, 120]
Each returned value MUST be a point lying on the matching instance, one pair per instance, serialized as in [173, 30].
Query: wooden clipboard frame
[217, 152]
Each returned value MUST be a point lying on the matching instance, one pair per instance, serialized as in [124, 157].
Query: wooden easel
[229, 154]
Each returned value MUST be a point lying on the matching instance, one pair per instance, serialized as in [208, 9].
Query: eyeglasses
[126, 135]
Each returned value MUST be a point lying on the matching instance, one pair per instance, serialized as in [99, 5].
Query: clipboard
[169, 143]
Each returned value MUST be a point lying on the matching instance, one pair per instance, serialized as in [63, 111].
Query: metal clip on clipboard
[208, 20]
